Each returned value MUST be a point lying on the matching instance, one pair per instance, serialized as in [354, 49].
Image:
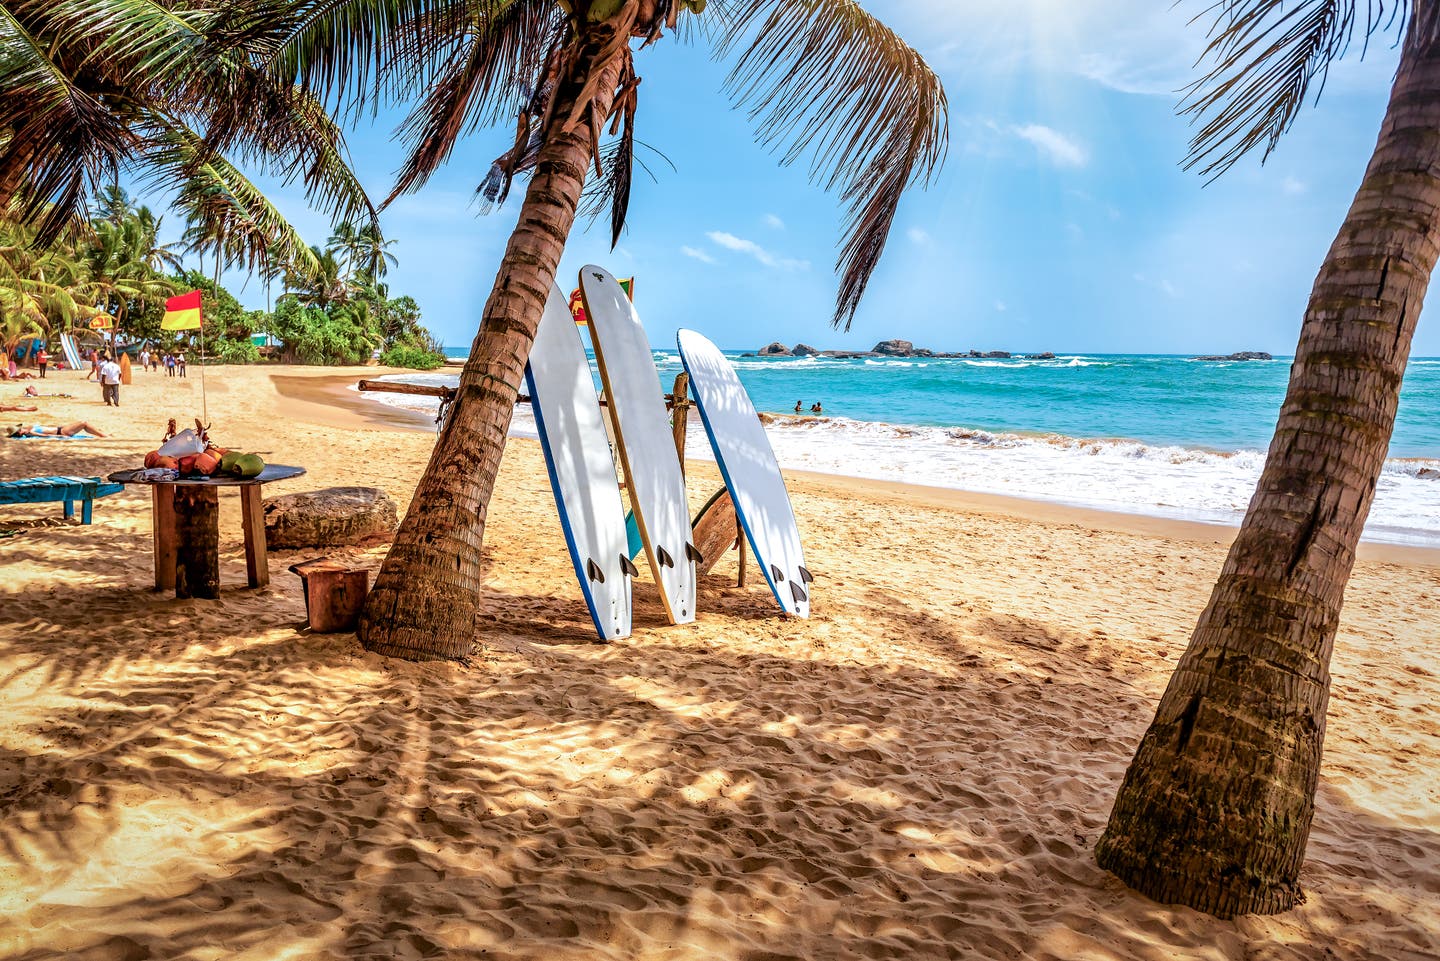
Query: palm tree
[40, 288]
[1216, 806]
[91, 87]
[323, 283]
[121, 261]
[822, 78]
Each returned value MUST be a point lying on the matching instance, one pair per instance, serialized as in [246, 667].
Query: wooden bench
[43, 490]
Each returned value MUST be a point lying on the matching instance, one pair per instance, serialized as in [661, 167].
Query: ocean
[1146, 434]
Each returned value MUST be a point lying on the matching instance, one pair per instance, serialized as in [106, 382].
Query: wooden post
[680, 414]
[197, 535]
[162, 520]
[252, 521]
[740, 546]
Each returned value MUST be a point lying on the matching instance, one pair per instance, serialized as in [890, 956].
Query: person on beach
[110, 382]
[9, 407]
[169, 365]
[798, 407]
[145, 360]
[42, 360]
[94, 365]
[32, 392]
[66, 430]
[180, 362]
[815, 408]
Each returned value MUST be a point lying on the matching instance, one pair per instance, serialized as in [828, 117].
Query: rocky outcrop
[1044, 355]
[776, 349]
[332, 517]
[894, 348]
[804, 350]
[1238, 355]
[848, 354]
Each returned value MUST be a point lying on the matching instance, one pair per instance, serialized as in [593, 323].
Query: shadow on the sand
[242, 787]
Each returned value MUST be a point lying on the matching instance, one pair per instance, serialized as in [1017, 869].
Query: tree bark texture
[426, 595]
[197, 536]
[1215, 809]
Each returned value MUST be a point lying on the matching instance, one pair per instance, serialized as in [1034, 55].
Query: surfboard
[72, 354]
[582, 472]
[643, 440]
[747, 462]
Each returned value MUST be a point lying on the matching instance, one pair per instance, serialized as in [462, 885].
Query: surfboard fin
[805, 576]
[664, 556]
[692, 553]
[628, 567]
[593, 571]
[776, 576]
[797, 592]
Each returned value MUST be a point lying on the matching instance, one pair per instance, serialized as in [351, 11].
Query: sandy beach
[920, 770]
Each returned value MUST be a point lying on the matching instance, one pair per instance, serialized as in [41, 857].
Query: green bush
[415, 358]
[237, 352]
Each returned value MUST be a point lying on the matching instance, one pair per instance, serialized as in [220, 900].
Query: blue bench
[43, 490]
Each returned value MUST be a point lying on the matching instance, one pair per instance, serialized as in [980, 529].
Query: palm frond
[823, 79]
[1265, 58]
[484, 69]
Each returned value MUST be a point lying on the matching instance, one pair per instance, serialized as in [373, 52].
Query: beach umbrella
[102, 321]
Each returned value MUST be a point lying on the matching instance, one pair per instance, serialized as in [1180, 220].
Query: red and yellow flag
[182, 312]
[577, 302]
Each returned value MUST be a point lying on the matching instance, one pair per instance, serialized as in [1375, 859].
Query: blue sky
[1060, 221]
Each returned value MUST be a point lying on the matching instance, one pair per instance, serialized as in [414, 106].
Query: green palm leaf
[823, 79]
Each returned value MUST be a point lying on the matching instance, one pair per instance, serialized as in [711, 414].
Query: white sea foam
[1118, 475]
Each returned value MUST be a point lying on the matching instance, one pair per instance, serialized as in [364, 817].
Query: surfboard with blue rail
[752, 475]
[581, 468]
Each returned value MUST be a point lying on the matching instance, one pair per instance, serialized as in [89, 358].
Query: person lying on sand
[67, 430]
[32, 392]
[5, 407]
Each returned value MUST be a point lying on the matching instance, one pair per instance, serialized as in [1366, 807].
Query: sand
[921, 770]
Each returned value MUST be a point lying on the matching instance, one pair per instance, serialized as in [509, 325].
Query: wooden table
[185, 518]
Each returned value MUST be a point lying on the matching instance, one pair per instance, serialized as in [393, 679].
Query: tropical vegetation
[1215, 809]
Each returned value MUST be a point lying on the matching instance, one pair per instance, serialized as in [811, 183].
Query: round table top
[272, 472]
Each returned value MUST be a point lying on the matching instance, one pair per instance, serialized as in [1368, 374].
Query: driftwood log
[331, 517]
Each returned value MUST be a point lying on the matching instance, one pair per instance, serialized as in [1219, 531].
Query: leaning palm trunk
[425, 598]
[1215, 809]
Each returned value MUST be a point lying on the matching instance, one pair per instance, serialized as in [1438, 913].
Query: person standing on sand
[169, 365]
[145, 360]
[180, 361]
[42, 360]
[110, 382]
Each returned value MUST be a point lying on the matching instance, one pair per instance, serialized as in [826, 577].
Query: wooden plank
[252, 521]
[713, 532]
[680, 408]
[395, 387]
[162, 525]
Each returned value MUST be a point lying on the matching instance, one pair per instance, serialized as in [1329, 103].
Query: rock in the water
[998, 354]
[894, 348]
[328, 518]
[776, 349]
[804, 350]
[1238, 355]
[1044, 355]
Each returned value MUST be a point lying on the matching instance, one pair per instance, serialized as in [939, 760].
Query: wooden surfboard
[747, 462]
[582, 471]
[643, 441]
[714, 530]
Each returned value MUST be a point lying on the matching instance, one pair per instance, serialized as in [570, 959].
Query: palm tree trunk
[425, 598]
[1216, 806]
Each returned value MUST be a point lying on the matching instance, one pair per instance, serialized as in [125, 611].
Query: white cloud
[918, 236]
[741, 245]
[773, 221]
[1053, 145]
[1293, 187]
[699, 255]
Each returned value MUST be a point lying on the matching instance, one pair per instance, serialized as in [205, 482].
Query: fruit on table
[247, 465]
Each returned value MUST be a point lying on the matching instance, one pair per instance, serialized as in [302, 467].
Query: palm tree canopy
[822, 81]
[89, 88]
[1265, 56]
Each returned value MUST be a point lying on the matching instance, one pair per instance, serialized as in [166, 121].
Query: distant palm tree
[121, 262]
[91, 87]
[41, 289]
[323, 284]
[822, 78]
[1215, 809]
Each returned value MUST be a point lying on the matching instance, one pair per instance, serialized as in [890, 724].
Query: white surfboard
[643, 439]
[747, 462]
[582, 471]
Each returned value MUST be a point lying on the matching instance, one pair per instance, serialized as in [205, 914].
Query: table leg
[252, 521]
[162, 521]
[197, 537]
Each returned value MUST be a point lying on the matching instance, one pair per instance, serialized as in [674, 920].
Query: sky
[1061, 219]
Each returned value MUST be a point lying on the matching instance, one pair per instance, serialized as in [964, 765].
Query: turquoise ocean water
[1148, 434]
